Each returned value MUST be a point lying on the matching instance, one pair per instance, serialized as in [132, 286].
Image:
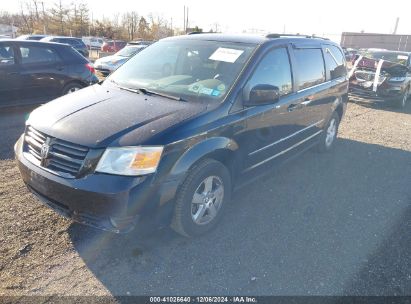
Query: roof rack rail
[294, 35]
[196, 33]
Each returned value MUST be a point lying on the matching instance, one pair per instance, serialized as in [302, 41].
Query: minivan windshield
[189, 69]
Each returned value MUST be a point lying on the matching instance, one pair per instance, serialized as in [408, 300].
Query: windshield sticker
[221, 87]
[195, 88]
[226, 55]
[402, 57]
[206, 91]
[215, 93]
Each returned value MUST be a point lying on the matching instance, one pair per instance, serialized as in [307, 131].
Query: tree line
[75, 19]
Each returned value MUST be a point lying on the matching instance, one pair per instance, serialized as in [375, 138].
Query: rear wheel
[202, 198]
[71, 88]
[329, 135]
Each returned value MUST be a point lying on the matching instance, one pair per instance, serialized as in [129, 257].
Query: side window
[35, 54]
[310, 66]
[335, 62]
[6, 55]
[274, 69]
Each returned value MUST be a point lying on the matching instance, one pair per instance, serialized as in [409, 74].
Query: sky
[323, 18]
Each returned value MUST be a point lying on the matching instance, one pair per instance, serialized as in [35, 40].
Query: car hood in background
[112, 60]
[99, 116]
[392, 68]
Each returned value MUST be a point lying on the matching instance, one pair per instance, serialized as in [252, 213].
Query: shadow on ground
[332, 224]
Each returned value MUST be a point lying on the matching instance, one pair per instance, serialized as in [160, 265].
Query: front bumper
[107, 202]
[385, 93]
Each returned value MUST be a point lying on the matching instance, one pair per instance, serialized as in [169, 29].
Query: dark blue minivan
[171, 139]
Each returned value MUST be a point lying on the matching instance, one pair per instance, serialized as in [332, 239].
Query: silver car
[108, 64]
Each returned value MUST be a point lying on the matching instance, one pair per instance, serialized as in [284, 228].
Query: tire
[71, 88]
[402, 102]
[195, 211]
[328, 137]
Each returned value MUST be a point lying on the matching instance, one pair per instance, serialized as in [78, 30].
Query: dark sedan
[33, 72]
[76, 43]
[382, 75]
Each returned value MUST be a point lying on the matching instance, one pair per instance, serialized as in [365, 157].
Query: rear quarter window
[335, 62]
[35, 54]
[310, 67]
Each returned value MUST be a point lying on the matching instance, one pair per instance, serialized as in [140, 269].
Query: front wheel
[202, 198]
[71, 88]
[403, 101]
[329, 135]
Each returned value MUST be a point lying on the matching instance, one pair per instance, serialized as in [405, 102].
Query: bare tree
[131, 23]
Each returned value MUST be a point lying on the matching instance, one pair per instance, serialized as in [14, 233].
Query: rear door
[42, 71]
[10, 82]
[313, 99]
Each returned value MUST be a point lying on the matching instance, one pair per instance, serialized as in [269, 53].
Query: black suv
[33, 72]
[170, 137]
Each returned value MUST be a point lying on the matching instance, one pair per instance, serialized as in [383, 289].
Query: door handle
[292, 107]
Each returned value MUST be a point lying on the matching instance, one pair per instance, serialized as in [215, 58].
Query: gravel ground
[333, 224]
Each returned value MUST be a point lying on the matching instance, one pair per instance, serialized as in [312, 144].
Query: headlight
[130, 160]
[396, 79]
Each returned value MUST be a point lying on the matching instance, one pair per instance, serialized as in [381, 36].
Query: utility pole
[396, 25]
[184, 19]
[187, 20]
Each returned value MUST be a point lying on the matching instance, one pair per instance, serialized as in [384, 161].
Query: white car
[93, 43]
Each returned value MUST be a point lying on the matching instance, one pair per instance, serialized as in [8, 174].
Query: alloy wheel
[207, 200]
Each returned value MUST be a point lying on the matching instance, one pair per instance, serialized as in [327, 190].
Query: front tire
[71, 88]
[403, 101]
[329, 135]
[202, 198]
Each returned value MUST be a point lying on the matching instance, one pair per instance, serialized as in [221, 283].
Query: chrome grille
[62, 157]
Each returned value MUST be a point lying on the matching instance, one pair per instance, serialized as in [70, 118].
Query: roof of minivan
[244, 38]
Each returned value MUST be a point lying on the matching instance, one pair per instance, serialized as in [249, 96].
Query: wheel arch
[222, 149]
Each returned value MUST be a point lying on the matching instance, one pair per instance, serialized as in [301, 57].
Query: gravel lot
[335, 224]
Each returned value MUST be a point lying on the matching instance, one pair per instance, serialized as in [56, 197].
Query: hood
[392, 68]
[102, 115]
[110, 59]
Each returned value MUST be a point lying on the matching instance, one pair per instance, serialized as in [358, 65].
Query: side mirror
[262, 94]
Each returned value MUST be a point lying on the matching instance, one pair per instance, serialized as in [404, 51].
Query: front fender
[201, 150]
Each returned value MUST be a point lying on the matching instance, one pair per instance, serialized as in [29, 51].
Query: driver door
[271, 128]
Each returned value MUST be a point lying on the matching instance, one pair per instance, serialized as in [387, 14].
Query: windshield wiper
[148, 92]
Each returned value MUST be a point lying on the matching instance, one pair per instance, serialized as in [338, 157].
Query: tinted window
[6, 55]
[335, 62]
[310, 65]
[71, 42]
[35, 54]
[274, 69]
